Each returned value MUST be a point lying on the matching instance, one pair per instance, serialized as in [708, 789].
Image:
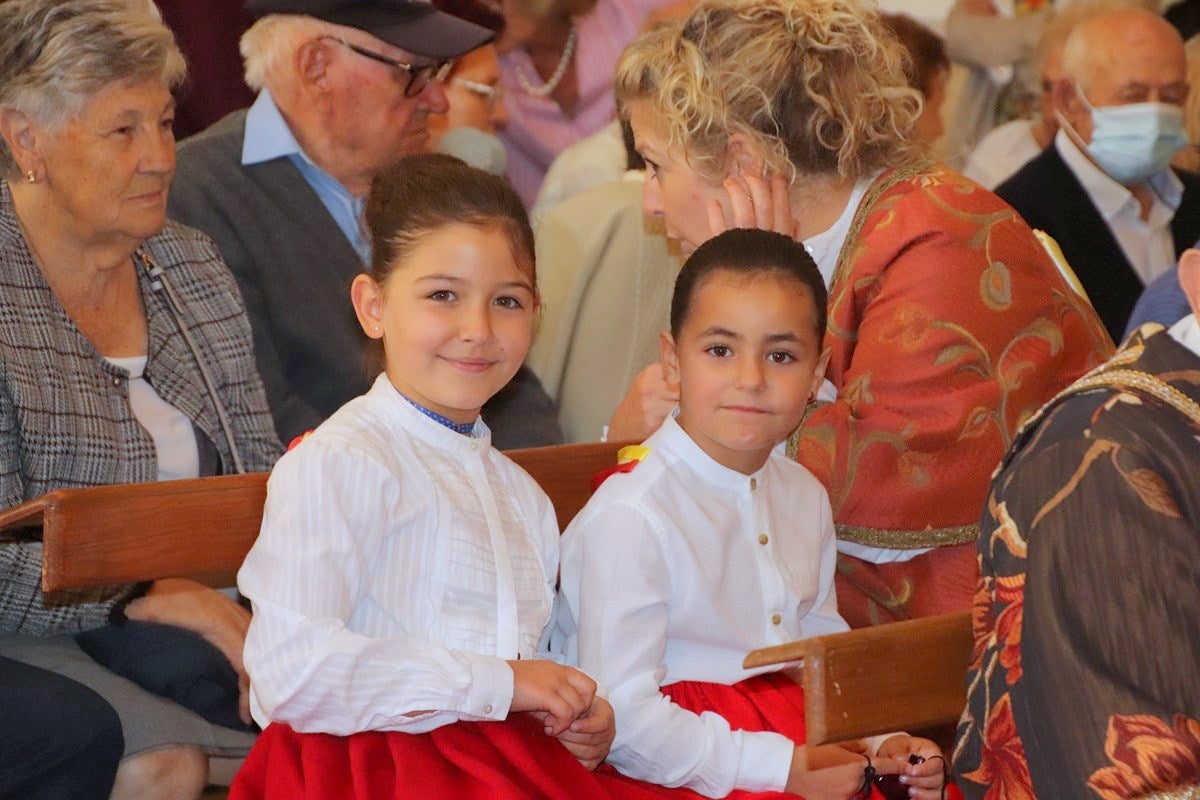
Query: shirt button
[753, 484]
[474, 447]
[776, 619]
[763, 539]
[116, 381]
[487, 709]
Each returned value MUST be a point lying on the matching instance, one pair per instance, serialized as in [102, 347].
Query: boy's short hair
[747, 251]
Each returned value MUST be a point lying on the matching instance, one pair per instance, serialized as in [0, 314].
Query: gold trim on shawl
[1112, 375]
[907, 540]
[1178, 793]
[878, 187]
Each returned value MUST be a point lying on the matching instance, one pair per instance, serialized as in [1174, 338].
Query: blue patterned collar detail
[465, 428]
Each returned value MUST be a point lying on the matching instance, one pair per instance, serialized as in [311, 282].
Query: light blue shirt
[268, 137]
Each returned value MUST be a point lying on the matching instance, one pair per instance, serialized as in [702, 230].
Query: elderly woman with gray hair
[126, 357]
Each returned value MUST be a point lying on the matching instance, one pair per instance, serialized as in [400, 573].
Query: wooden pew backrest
[199, 528]
[903, 676]
[203, 528]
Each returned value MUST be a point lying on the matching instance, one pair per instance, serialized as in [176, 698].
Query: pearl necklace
[559, 72]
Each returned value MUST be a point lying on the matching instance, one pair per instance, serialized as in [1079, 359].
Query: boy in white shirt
[717, 544]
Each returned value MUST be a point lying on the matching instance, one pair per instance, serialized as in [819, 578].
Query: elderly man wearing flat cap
[345, 89]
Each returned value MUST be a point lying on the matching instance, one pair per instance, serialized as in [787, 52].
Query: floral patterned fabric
[949, 327]
[1084, 676]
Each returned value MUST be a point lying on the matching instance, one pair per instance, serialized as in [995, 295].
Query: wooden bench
[203, 528]
[903, 676]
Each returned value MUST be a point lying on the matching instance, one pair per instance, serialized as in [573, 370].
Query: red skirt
[510, 760]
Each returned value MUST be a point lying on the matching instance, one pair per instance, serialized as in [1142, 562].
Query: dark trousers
[58, 739]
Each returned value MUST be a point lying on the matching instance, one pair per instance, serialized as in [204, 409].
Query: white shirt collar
[1187, 333]
[826, 247]
[674, 440]
[425, 428]
[1110, 197]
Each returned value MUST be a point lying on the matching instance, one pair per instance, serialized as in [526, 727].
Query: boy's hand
[928, 776]
[563, 693]
[590, 737]
[834, 783]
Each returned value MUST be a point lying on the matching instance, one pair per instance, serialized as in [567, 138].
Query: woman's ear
[819, 373]
[669, 357]
[367, 297]
[20, 134]
[744, 157]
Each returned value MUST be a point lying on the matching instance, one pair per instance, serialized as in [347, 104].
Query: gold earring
[31, 177]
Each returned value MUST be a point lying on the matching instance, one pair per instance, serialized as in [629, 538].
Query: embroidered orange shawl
[949, 326]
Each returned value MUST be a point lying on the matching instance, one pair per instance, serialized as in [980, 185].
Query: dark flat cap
[413, 25]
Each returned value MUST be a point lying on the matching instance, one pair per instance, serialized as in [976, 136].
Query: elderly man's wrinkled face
[1133, 58]
[110, 166]
[372, 120]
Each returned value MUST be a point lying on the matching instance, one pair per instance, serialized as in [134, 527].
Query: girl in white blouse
[405, 570]
[716, 544]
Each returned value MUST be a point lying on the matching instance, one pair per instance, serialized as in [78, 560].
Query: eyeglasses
[419, 75]
[492, 94]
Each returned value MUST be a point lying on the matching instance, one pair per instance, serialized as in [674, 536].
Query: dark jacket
[1050, 198]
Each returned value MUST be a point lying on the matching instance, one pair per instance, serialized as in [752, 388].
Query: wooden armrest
[902, 676]
[138, 532]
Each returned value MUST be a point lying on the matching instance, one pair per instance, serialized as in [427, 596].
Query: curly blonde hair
[817, 84]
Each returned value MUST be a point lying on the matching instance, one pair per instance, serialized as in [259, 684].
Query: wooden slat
[199, 528]
[203, 528]
[902, 676]
[565, 472]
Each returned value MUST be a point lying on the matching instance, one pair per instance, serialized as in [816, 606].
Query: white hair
[270, 44]
[55, 55]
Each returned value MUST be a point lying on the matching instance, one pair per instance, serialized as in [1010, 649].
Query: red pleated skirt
[510, 760]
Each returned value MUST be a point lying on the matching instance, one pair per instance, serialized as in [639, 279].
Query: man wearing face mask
[1104, 189]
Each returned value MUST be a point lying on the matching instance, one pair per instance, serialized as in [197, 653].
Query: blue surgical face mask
[1132, 142]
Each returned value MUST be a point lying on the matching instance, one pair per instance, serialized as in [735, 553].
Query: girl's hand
[928, 776]
[591, 736]
[842, 782]
[563, 693]
[753, 202]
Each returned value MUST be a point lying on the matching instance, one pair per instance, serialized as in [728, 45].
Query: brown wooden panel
[902, 676]
[135, 532]
[202, 528]
[565, 472]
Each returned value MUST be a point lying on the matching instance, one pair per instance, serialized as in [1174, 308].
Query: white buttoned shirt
[673, 572]
[1147, 244]
[399, 566]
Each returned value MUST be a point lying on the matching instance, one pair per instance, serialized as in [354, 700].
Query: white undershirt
[171, 431]
[826, 247]
[1187, 333]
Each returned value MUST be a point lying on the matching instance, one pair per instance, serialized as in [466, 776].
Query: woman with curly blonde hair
[948, 323]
